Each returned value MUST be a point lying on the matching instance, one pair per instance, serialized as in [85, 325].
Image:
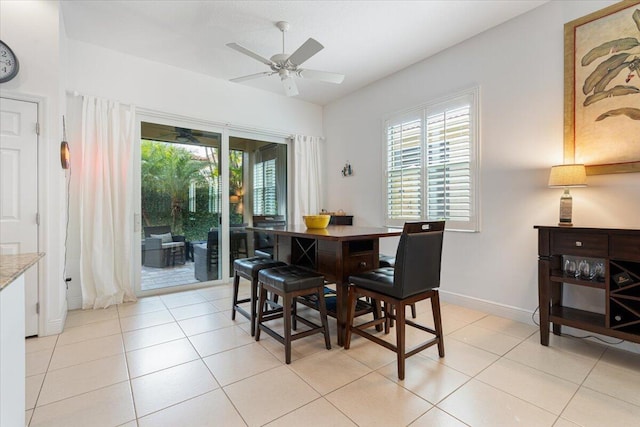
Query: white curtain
[307, 184]
[106, 203]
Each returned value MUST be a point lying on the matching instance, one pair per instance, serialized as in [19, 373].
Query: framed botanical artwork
[602, 89]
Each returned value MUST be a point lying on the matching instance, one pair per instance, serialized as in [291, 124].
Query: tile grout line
[35, 404]
[200, 357]
[126, 361]
[580, 386]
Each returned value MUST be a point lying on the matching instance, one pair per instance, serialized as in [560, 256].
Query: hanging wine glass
[570, 267]
[598, 271]
[584, 269]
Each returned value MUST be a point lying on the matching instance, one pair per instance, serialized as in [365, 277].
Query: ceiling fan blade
[304, 52]
[245, 51]
[324, 76]
[251, 76]
[290, 87]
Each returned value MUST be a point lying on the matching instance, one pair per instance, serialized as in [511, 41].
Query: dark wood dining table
[336, 252]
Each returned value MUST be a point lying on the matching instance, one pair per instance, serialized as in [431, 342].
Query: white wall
[94, 70]
[31, 28]
[519, 69]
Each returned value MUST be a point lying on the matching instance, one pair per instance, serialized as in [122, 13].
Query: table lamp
[567, 176]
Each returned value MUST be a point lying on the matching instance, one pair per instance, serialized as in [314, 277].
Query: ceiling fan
[288, 66]
[177, 134]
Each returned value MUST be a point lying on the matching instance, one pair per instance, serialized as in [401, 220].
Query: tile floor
[179, 360]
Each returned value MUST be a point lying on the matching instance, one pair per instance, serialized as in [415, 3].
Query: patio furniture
[206, 258]
[162, 248]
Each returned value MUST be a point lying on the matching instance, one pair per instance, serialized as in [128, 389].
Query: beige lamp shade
[568, 176]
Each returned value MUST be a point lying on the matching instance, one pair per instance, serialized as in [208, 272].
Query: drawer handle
[579, 244]
[363, 264]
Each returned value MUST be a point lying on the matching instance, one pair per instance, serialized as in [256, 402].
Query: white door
[19, 192]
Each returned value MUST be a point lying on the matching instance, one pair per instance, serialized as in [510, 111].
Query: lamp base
[565, 209]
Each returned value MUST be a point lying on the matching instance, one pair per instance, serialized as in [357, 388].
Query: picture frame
[602, 90]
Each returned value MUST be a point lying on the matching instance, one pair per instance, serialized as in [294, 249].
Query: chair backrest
[262, 240]
[418, 258]
[156, 229]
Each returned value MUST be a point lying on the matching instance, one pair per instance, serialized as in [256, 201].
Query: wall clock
[8, 63]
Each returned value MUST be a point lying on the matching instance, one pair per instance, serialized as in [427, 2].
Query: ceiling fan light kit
[288, 66]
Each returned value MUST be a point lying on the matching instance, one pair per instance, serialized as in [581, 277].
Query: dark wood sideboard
[617, 251]
[341, 220]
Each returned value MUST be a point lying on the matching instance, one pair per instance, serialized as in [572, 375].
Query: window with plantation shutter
[265, 201]
[431, 163]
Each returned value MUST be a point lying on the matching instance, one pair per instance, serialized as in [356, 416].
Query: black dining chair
[415, 277]
[390, 261]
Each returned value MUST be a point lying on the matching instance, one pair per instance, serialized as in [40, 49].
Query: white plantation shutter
[404, 170]
[265, 201]
[258, 188]
[270, 198]
[432, 164]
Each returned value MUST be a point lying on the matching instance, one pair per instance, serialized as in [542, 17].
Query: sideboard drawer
[580, 244]
[625, 247]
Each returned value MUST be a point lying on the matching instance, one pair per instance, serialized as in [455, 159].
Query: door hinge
[38, 218]
[37, 308]
[38, 128]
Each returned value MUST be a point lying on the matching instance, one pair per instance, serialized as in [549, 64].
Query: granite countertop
[12, 266]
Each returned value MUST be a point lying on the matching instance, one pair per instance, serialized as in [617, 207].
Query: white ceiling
[365, 40]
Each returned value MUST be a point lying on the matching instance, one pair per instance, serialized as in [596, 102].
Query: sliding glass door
[257, 189]
[180, 206]
[200, 187]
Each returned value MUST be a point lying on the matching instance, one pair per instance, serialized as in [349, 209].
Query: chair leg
[351, 310]
[377, 312]
[413, 310]
[323, 317]
[236, 284]
[294, 313]
[286, 308]
[437, 320]
[254, 303]
[262, 302]
[400, 339]
[388, 321]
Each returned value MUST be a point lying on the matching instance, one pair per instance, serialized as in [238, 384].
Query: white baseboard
[525, 316]
[55, 326]
[502, 310]
[74, 302]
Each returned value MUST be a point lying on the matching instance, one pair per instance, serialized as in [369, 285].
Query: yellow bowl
[316, 221]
